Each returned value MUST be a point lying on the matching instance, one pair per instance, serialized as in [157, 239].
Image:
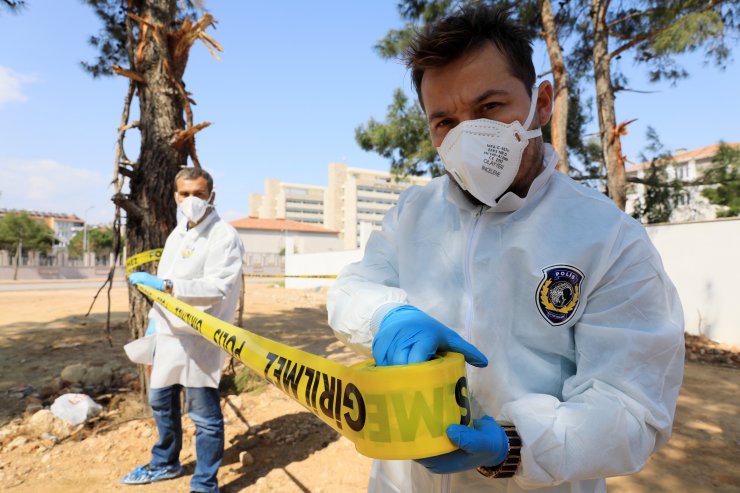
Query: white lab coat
[591, 396]
[205, 266]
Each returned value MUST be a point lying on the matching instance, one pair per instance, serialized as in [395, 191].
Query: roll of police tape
[142, 258]
[398, 412]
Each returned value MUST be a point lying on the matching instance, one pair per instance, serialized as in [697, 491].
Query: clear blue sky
[295, 80]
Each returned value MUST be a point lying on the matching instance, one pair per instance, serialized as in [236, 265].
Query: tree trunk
[18, 257]
[560, 77]
[151, 217]
[615, 175]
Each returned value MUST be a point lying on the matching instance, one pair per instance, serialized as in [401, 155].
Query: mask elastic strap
[530, 134]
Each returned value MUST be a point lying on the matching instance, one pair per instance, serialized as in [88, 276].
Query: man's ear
[544, 102]
[174, 196]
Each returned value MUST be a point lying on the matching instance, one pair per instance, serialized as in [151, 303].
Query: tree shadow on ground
[302, 328]
[278, 443]
[702, 455]
[33, 353]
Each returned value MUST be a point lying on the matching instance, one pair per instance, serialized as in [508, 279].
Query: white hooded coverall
[592, 391]
[205, 266]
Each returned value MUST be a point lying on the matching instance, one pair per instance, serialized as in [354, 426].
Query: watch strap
[511, 463]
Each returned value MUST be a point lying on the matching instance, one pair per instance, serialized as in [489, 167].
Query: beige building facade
[292, 201]
[352, 196]
[685, 165]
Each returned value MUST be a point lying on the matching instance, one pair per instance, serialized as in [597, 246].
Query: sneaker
[150, 474]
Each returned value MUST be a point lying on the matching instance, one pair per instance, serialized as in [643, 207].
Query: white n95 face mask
[194, 208]
[483, 156]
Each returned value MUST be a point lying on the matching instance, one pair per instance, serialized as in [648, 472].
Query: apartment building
[292, 201]
[352, 196]
[357, 195]
[684, 165]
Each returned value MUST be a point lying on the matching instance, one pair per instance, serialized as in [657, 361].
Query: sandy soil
[42, 332]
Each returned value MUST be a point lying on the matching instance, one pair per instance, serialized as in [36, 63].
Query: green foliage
[725, 171]
[588, 152]
[656, 31]
[403, 138]
[661, 194]
[110, 42]
[416, 13]
[13, 6]
[34, 234]
[659, 200]
[99, 240]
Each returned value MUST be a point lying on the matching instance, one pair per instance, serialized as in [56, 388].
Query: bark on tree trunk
[615, 175]
[560, 77]
[152, 217]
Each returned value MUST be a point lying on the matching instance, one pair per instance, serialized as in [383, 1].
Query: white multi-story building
[685, 165]
[356, 195]
[292, 201]
[352, 196]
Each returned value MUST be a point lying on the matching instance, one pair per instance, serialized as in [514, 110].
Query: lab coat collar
[510, 201]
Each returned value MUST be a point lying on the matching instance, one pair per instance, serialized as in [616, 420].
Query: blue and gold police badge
[559, 293]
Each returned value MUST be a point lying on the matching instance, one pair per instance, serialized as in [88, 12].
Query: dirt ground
[41, 332]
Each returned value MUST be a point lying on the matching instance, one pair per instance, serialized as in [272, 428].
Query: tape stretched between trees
[281, 276]
[397, 412]
[152, 255]
[142, 258]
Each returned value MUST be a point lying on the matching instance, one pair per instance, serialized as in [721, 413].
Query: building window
[682, 171]
[682, 199]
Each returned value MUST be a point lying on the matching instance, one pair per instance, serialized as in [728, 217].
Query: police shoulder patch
[559, 293]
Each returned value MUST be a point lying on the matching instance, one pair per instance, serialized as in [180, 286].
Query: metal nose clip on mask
[483, 156]
[194, 208]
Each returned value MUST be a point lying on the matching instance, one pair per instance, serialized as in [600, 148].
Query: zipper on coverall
[467, 276]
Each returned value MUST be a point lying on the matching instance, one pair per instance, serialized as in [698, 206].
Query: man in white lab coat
[201, 265]
[556, 298]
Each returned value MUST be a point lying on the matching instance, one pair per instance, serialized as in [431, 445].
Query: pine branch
[652, 34]
[128, 73]
[133, 211]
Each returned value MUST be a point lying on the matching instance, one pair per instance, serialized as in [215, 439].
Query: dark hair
[194, 174]
[459, 34]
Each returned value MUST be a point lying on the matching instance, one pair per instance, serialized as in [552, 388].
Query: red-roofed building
[684, 165]
[265, 241]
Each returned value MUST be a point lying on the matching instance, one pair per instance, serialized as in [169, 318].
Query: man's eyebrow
[482, 97]
[437, 114]
[491, 92]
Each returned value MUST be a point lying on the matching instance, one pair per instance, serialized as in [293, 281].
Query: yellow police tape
[398, 412]
[152, 255]
[281, 276]
[142, 258]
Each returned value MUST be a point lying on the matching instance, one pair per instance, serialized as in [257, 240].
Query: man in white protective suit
[201, 265]
[556, 298]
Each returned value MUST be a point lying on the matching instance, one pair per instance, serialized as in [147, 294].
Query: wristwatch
[510, 464]
[167, 286]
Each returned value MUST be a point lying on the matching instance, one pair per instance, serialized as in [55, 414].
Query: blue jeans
[204, 408]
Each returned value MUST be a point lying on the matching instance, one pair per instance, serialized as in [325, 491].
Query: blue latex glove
[147, 280]
[151, 328]
[486, 445]
[408, 335]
